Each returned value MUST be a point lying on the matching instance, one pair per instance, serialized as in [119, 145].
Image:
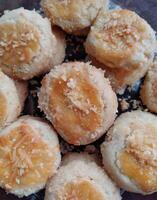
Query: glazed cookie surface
[149, 89]
[12, 98]
[78, 101]
[29, 155]
[28, 46]
[73, 16]
[129, 153]
[123, 40]
[81, 178]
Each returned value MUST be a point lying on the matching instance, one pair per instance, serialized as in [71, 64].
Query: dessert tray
[75, 51]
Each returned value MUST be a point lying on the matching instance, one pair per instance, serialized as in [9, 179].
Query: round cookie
[130, 152]
[12, 98]
[81, 178]
[74, 17]
[122, 39]
[149, 89]
[29, 155]
[78, 101]
[120, 78]
[28, 47]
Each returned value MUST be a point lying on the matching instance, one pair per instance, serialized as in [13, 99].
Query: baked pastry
[81, 178]
[149, 89]
[120, 77]
[122, 39]
[12, 98]
[130, 152]
[78, 101]
[73, 16]
[29, 155]
[28, 47]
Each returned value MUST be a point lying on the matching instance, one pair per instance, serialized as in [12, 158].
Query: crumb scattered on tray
[124, 105]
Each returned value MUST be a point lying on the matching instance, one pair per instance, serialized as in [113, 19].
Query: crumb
[21, 171]
[136, 104]
[129, 88]
[124, 105]
[17, 181]
[71, 83]
[121, 91]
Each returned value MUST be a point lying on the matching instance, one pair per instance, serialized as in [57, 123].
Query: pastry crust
[129, 153]
[121, 39]
[80, 178]
[149, 89]
[73, 16]
[78, 101]
[12, 98]
[28, 46]
[120, 78]
[29, 155]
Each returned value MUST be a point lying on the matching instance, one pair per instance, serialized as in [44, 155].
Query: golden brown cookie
[124, 42]
[12, 98]
[29, 155]
[149, 89]
[28, 46]
[130, 152]
[74, 17]
[78, 101]
[81, 178]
